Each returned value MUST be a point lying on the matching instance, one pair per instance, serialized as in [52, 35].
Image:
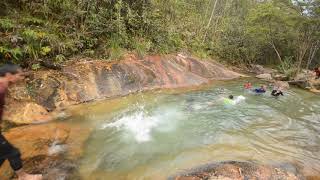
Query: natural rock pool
[156, 134]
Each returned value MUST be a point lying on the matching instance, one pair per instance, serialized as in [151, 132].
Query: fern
[33, 21]
[16, 53]
[45, 50]
[6, 24]
[59, 58]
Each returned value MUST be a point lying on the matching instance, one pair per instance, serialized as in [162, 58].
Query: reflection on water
[156, 134]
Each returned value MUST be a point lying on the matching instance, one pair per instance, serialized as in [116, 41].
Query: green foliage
[6, 25]
[33, 21]
[236, 31]
[141, 47]
[288, 67]
[11, 53]
[45, 50]
[16, 53]
[59, 58]
[115, 51]
[35, 66]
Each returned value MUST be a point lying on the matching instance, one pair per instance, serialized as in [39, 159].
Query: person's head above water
[231, 97]
[263, 87]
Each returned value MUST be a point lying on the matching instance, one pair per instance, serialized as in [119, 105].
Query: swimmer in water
[260, 90]
[229, 100]
[247, 85]
[277, 92]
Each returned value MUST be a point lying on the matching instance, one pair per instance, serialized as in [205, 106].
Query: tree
[272, 25]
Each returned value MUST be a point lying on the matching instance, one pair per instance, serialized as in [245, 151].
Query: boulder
[238, 171]
[259, 69]
[266, 77]
[304, 75]
[304, 84]
[46, 148]
[306, 80]
[52, 167]
[315, 83]
[282, 84]
[280, 77]
[24, 112]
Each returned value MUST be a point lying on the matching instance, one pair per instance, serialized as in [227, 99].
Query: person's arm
[2, 101]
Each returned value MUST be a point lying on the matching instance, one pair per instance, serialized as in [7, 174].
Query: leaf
[35, 66]
[45, 50]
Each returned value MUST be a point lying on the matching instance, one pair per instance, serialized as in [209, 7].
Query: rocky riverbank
[53, 148]
[84, 80]
[305, 80]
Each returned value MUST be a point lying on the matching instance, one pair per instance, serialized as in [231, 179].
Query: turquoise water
[156, 134]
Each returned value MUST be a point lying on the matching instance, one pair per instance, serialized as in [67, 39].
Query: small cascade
[56, 147]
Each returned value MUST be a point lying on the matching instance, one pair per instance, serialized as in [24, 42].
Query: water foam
[239, 99]
[141, 124]
[138, 124]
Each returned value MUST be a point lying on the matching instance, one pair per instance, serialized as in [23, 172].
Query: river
[155, 134]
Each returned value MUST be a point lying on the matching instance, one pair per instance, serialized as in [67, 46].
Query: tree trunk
[303, 46]
[219, 17]
[208, 25]
[277, 52]
[312, 53]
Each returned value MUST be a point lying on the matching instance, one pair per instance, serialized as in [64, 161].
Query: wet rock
[257, 69]
[280, 77]
[307, 80]
[315, 84]
[36, 142]
[23, 112]
[53, 168]
[43, 88]
[304, 84]
[282, 84]
[315, 90]
[33, 141]
[88, 80]
[239, 171]
[267, 77]
[304, 75]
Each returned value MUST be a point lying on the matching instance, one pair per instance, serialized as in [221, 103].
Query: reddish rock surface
[88, 80]
[36, 143]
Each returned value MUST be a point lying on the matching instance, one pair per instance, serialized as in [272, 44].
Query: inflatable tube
[227, 101]
[238, 99]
